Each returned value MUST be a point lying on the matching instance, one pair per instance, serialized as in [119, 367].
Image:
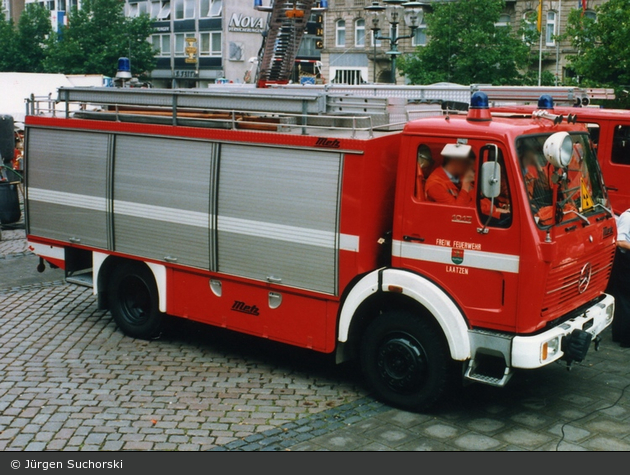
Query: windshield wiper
[581, 216]
[609, 211]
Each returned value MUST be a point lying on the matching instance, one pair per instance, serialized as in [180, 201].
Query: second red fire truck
[298, 216]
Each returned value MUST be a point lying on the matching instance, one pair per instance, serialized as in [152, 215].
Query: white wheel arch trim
[158, 270]
[423, 291]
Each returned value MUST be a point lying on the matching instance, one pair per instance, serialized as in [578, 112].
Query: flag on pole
[584, 5]
[539, 20]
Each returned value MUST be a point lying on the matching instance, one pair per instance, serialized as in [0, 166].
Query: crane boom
[281, 41]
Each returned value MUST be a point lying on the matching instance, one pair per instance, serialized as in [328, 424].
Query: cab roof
[499, 127]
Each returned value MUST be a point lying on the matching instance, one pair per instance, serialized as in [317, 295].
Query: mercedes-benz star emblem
[585, 277]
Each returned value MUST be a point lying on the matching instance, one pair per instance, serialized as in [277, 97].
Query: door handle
[413, 239]
[612, 188]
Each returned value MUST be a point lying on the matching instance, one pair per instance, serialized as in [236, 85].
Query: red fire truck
[298, 216]
[610, 134]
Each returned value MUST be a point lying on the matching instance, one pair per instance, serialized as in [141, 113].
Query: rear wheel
[134, 303]
[405, 360]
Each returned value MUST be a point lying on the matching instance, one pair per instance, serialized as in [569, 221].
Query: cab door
[614, 157]
[472, 256]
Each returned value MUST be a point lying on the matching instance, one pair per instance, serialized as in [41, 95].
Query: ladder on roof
[285, 28]
[447, 92]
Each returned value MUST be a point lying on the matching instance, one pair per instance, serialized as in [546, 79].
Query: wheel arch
[372, 295]
[102, 267]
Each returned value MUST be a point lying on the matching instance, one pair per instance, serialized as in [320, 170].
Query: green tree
[33, 32]
[7, 44]
[467, 47]
[96, 36]
[23, 47]
[603, 48]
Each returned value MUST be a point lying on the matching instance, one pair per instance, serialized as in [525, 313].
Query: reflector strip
[474, 259]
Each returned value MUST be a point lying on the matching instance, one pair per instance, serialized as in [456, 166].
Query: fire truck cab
[306, 223]
[610, 135]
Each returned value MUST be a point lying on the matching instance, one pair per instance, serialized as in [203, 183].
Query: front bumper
[539, 350]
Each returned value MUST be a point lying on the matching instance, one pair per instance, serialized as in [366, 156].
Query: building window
[143, 8]
[189, 9]
[178, 5]
[180, 43]
[590, 14]
[420, 35]
[504, 20]
[530, 26]
[165, 11]
[73, 4]
[132, 10]
[373, 35]
[359, 33]
[550, 32]
[340, 33]
[350, 76]
[155, 9]
[211, 44]
[61, 5]
[162, 43]
[210, 8]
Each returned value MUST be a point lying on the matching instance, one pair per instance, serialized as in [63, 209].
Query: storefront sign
[185, 74]
[240, 23]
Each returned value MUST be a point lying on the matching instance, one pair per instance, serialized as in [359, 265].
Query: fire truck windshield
[560, 194]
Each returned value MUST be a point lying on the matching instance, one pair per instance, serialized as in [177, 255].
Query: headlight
[549, 349]
[610, 311]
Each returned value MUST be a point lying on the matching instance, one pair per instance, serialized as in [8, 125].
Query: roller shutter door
[67, 185]
[162, 199]
[278, 215]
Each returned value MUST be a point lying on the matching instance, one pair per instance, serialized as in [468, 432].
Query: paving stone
[607, 444]
[523, 438]
[486, 425]
[441, 431]
[388, 435]
[571, 433]
[403, 418]
[425, 444]
[475, 442]
[341, 441]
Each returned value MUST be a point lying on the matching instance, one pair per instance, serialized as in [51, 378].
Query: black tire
[405, 360]
[133, 301]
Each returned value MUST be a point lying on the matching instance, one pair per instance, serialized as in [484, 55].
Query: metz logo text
[328, 143]
[242, 307]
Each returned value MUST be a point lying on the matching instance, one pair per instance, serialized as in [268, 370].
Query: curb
[293, 433]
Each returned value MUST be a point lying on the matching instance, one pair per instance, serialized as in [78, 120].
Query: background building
[352, 56]
[200, 42]
[12, 9]
[59, 10]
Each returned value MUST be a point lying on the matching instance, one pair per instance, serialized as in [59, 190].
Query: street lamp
[394, 12]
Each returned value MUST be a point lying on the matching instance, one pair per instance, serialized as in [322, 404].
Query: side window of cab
[494, 211]
[621, 145]
[424, 167]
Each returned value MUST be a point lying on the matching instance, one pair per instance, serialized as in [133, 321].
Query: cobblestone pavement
[69, 380]
[12, 243]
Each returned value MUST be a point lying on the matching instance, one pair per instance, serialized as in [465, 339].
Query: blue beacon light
[545, 102]
[479, 110]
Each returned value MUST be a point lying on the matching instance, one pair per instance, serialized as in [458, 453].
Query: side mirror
[491, 179]
[558, 149]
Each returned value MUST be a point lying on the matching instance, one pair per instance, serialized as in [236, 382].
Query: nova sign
[246, 24]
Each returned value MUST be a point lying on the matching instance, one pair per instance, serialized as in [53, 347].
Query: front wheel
[134, 303]
[405, 360]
